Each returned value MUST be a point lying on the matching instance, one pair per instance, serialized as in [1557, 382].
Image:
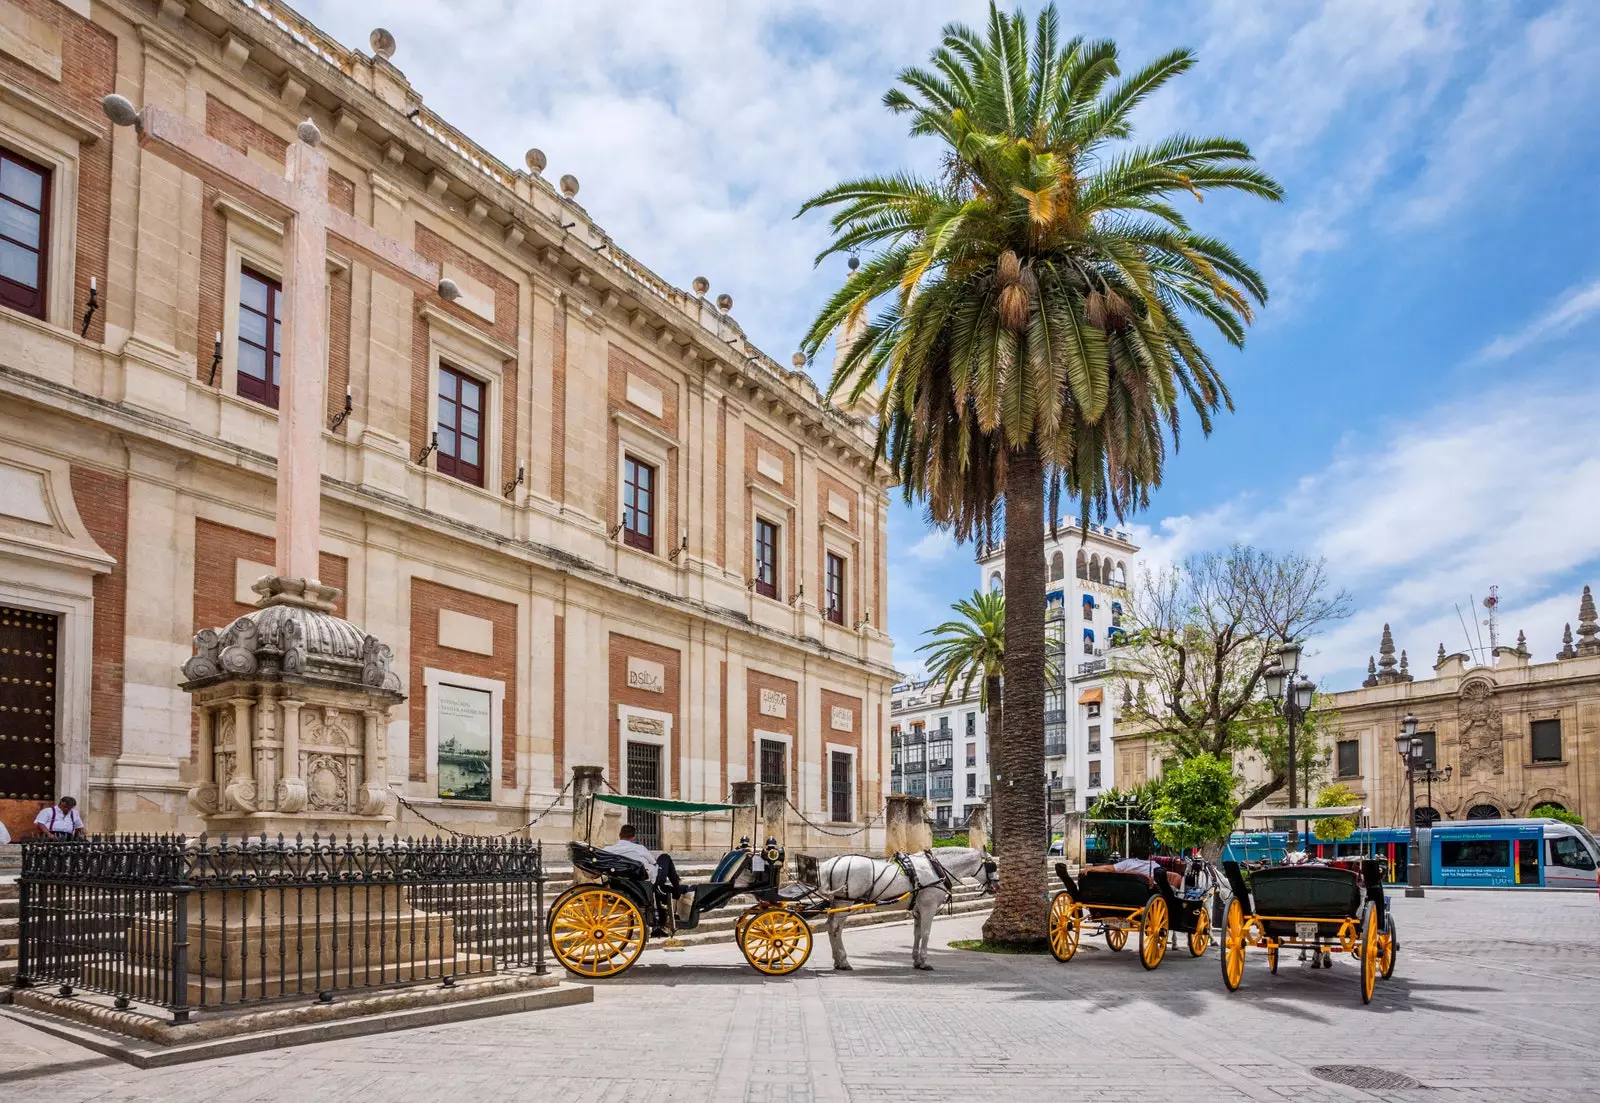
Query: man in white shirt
[628, 846]
[60, 820]
[1144, 866]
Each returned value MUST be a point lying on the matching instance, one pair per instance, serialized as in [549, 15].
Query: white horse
[857, 879]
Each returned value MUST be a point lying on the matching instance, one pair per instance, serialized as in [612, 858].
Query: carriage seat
[720, 889]
[1121, 890]
[1316, 892]
[602, 863]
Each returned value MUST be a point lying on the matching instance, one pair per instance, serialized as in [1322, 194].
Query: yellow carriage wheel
[1199, 939]
[776, 941]
[1233, 945]
[1116, 937]
[1386, 949]
[1066, 927]
[1153, 932]
[1272, 956]
[742, 922]
[1369, 954]
[596, 932]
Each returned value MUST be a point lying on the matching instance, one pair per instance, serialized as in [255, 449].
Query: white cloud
[936, 547]
[1577, 306]
[1430, 513]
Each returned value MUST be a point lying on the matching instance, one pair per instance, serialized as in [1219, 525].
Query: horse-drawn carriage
[598, 929]
[1310, 906]
[1116, 904]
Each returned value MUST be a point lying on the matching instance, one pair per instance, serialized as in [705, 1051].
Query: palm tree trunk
[1020, 913]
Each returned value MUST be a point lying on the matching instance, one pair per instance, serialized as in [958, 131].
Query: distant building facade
[1503, 736]
[938, 750]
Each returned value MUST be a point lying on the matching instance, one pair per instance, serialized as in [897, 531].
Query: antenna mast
[1492, 621]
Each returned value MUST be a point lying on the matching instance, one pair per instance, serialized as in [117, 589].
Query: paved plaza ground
[1496, 996]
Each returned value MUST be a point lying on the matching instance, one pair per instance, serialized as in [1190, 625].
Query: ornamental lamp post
[1409, 747]
[1291, 694]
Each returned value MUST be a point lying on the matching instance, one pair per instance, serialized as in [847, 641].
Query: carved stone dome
[292, 641]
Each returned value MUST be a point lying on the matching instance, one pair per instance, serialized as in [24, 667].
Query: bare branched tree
[1201, 638]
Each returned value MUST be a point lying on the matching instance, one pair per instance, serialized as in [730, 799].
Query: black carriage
[598, 929]
[1116, 905]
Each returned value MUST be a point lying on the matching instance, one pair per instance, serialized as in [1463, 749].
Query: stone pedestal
[919, 836]
[293, 707]
[894, 824]
[978, 826]
[747, 817]
[586, 818]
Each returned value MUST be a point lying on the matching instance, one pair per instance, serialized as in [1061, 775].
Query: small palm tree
[972, 649]
[1032, 331]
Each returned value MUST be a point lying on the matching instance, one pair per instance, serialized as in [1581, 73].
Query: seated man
[1145, 866]
[659, 869]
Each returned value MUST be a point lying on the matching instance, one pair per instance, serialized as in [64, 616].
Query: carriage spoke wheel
[1369, 954]
[1233, 946]
[1116, 937]
[1066, 927]
[1153, 932]
[1199, 939]
[1386, 948]
[776, 941]
[596, 932]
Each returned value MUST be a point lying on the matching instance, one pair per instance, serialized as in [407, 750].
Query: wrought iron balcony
[1055, 750]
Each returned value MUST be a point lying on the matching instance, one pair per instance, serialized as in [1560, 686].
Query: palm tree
[1033, 330]
[972, 648]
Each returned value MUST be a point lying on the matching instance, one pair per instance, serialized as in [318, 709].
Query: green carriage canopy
[659, 804]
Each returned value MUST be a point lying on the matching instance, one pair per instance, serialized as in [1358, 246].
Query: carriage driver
[659, 870]
[1146, 866]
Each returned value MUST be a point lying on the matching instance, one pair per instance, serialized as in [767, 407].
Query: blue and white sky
[1419, 402]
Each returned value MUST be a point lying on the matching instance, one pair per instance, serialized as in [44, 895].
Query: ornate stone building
[596, 525]
[1503, 736]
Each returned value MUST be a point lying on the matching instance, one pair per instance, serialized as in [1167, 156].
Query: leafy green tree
[1336, 795]
[1556, 812]
[971, 649]
[1194, 805]
[1113, 805]
[1032, 327]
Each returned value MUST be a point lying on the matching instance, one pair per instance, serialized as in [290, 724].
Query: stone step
[9, 948]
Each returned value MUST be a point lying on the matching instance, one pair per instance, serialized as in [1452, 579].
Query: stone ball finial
[569, 185]
[448, 291]
[120, 110]
[535, 160]
[798, 360]
[382, 43]
[724, 302]
[308, 133]
[701, 285]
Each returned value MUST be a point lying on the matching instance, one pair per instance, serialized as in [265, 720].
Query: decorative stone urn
[293, 705]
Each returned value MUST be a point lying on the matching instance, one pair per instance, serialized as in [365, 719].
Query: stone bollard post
[978, 827]
[894, 824]
[747, 820]
[586, 782]
[775, 820]
[918, 835]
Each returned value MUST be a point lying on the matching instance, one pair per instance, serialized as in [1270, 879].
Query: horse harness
[942, 878]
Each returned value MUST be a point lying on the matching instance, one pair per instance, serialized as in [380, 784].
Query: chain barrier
[431, 822]
[834, 832]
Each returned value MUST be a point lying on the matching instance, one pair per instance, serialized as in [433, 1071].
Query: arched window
[1122, 573]
[1483, 812]
[1083, 564]
[995, 583]
[1058, 566]
[1094, 568]
[1427, 817]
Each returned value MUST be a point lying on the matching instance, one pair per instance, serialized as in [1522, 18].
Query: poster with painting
[464, 743]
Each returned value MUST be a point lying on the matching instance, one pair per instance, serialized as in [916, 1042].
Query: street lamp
[1291, 694]
[1409, 747]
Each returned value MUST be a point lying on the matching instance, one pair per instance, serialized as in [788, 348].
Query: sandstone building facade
[594, 522]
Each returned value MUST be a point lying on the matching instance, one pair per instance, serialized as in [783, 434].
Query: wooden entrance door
[27, 705]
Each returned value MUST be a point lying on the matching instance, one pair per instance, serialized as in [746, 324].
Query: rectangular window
[773, 768]
[1094, 775]
[835, 592]
[972, 785]
[1546, 739]
[766, 558]
[638, 504]
[1569, 853]
[1349, 758]
[461, 426]
[1475, 853]
[260, 337]
[972, 724]
[1430, 749]
[972, 754]
[916, 754]
[841, 787]
[1094, 738]
[24, 230]
[1088, 607]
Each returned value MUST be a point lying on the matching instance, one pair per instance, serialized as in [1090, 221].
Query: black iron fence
[201, 924]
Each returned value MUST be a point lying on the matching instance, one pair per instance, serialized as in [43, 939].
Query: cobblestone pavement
[1496, 996]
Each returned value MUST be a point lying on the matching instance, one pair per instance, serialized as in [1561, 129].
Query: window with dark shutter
[841, 787]
[461, 426]
[766, 558]
[1349, 758]
[835, 590]
[1546, 739]
[24, 233]
[638, 504]
[260, 337]
[773, 768]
